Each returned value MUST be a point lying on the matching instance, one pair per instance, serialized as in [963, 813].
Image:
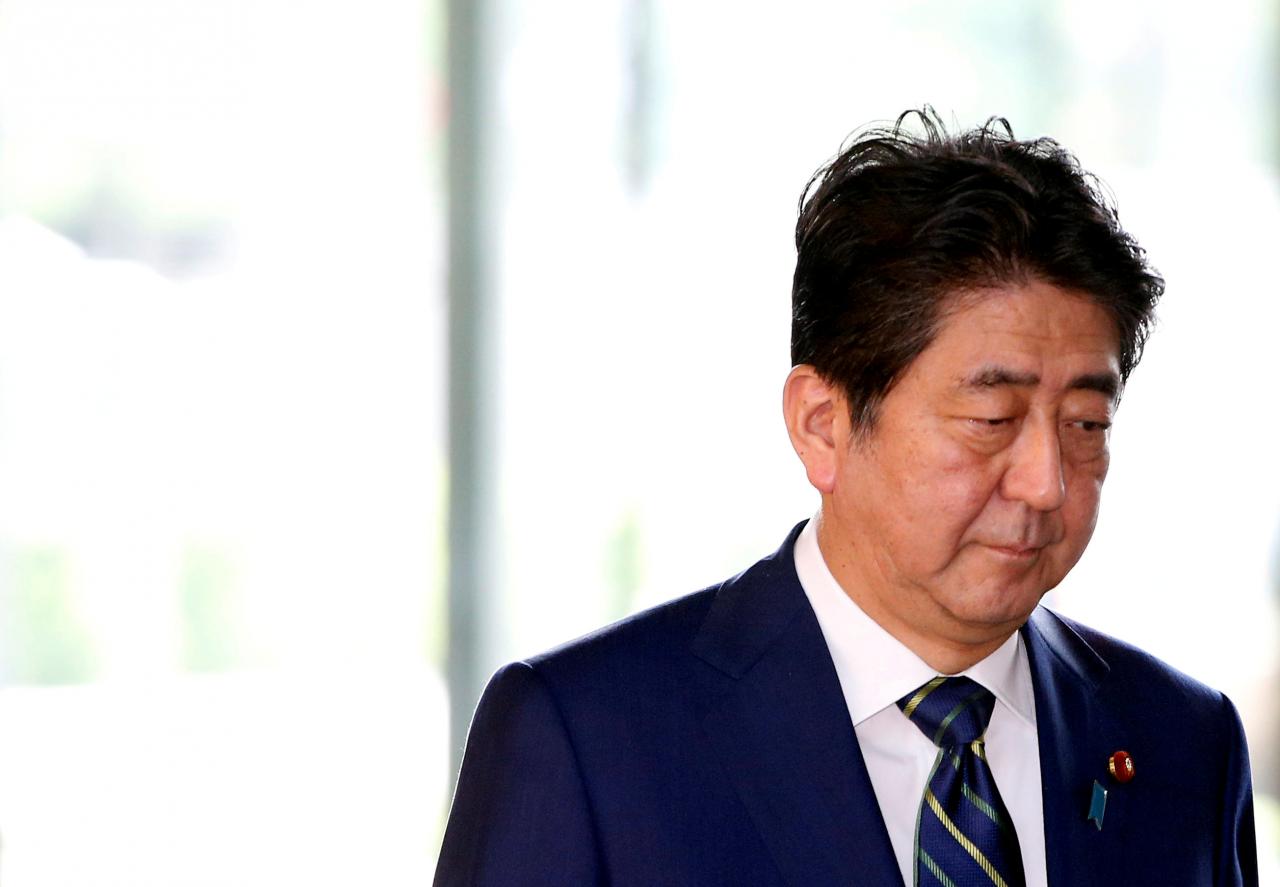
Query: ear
[811, 406]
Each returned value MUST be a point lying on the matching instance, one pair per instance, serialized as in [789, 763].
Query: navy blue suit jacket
[707, 742]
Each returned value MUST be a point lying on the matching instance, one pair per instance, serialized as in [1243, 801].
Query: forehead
[1034, 331]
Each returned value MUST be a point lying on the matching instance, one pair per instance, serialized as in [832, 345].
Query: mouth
[1016, 552]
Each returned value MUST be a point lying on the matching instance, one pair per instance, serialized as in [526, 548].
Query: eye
[1085, 439]
[988, 435]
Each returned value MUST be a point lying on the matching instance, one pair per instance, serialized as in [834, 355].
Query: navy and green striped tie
[964, 836]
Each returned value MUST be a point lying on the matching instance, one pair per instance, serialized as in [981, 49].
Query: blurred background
[348, 351]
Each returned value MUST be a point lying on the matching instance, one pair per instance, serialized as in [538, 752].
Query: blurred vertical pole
[472, 362]
[638, 97]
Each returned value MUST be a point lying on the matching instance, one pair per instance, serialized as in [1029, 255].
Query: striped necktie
[964, 835]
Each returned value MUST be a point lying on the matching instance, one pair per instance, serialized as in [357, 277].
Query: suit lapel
[1077, 734]
[780, 727]
[779, 724]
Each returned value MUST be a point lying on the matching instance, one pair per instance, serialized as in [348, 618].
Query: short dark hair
[899, 222]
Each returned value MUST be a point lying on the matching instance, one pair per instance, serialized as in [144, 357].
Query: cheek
[949, 502]
[964, 485]
[957, 505]
[1080, 514]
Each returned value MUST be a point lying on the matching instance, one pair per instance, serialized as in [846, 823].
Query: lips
[1019, 551]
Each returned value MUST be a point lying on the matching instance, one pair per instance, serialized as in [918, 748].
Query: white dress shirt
[876, 670]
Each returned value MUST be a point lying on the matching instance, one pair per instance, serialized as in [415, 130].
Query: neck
[949, 661]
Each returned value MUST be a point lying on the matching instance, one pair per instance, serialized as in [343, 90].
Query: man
[883, 701]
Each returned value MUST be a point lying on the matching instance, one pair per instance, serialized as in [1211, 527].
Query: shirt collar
[874, 667]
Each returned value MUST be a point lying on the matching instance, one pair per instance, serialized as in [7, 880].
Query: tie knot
[950, 711]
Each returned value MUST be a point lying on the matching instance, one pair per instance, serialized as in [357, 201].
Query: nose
[1034, 474]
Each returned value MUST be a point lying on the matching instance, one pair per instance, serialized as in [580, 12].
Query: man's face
[977, 489]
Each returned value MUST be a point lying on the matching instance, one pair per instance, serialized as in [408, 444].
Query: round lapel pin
[1121, 766]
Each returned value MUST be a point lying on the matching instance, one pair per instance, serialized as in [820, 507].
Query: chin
[999, 605]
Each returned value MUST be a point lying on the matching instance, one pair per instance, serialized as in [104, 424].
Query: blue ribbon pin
[1098, 805]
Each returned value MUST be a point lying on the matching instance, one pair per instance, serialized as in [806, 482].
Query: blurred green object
[624, 563]
[211, 627]
[44, 639]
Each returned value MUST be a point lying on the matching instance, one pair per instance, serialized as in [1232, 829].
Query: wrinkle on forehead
[1041, 325]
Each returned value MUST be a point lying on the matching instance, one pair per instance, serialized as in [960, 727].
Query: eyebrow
[995, 376]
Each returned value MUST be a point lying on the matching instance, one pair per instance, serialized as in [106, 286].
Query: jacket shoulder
[658, 637]
[1143, 676]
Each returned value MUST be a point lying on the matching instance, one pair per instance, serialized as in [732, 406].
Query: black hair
[899, 223]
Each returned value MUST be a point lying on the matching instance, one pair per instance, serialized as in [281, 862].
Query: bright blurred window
[221, 458]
